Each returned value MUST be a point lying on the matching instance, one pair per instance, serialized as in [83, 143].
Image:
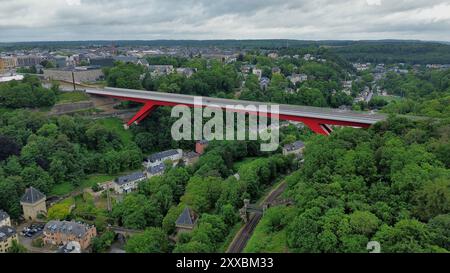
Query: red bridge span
[317, 119]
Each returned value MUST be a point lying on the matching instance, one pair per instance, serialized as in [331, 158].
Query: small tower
[33, 203]
[200, 146]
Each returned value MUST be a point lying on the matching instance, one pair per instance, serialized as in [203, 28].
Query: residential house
[63, 232]
[131, 59]
[275, 70]
[33, 204]
[272, 55]
[257, 72]
[247, 68]
[295, 148]
[295, 78]
[264, 83]
[190, 158]
[161, 69]
[7, 235]
[186, 221]
[156, 170]
[5, 220]
[308, 57]
[158, 158]
[128, 183]
[186, 71]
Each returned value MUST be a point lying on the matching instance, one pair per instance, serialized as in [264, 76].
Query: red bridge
[317, 119]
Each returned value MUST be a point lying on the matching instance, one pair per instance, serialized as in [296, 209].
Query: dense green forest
[381, 184]
[389, 52]
[26, 93]
[208, 188]
[44, 152]
[425, 93]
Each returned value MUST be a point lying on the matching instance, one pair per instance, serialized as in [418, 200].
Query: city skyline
[26, 20]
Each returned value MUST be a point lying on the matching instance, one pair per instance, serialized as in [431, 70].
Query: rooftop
[158, 156]
[68, 228]
[191, 154]
[130, 177]
[186, 218]
[294, 146]
[157, 169]
[3, 215]
[32, 196]
[6, 232]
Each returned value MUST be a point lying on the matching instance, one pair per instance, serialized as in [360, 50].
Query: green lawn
[116, 125]
[389, 98]
[246, 160]
[76, 96]
[262, 242]
[66, 188]
[62, 189]
[93, 179]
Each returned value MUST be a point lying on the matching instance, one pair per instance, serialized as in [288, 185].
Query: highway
[288, 110]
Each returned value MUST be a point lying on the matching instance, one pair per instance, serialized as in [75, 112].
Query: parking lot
[32, 231]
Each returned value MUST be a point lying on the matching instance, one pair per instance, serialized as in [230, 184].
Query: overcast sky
[31, 20]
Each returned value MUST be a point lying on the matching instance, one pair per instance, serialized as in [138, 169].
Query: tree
[16, 247]
[9, 147]
[103, 242]
[137, 212]
[302, 232]
[152, 240]
[433, 199]
[364, 222]
[409, 236]
[440, 228]
[202, 193]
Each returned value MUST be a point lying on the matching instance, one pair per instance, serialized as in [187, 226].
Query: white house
[158, 158]
[128, 183]
[295, 148]
[5, 220]
[257, 72]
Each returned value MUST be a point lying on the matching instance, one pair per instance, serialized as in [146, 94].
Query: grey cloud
[22, 20]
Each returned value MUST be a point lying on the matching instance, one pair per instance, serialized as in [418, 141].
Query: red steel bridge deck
[316, 118]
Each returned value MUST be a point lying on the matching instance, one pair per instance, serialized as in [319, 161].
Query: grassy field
[89, 181]
[389, 98]
[261, 242]
[246, 160]
[116, 125]
[66, 97]
[60, 210]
